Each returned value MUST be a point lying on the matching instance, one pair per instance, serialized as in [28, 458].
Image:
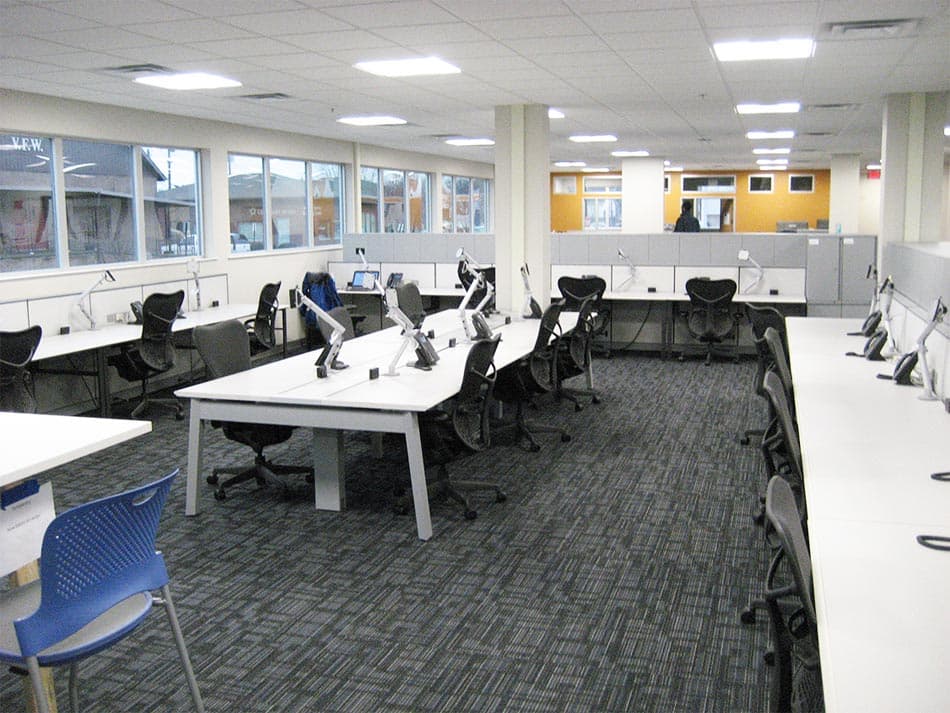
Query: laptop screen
[365, 279]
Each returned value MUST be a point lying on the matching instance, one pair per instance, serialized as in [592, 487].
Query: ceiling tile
[121, 12]
[181, 31]
[643, 21]
[391, 14]
[777, 17]
[519, 29]
[448, 32]
[288, 23]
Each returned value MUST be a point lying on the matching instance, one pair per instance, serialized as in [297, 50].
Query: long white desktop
[868, 449]
[289, 392]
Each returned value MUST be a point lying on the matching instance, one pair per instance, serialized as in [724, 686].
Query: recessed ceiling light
[779, 108]
[187, 81]
[775, 167]
[592, 139]
[470, 142]
[415, 67]
[744, 50]
[627, 154]
[673, 168]
[771, 152]
[781, 134]
[555, 114]
[596, 170]
[569, 164]
[372, 120]
[772, 162]
[873, 167]
[946, 130]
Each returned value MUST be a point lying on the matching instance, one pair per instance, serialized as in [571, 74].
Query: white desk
[868, 448]
[100, 340]
[288, 392]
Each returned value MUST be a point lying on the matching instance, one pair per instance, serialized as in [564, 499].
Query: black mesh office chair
[776, 347]
[761, 318]
[16, 383]
[225, 350]
[710, 318]
[341, 315]
[410, 302]
[796, 676]
[574, 357]
[519, 383]
[155, 352]
[575, 290]
[261, 330]
[461, 428]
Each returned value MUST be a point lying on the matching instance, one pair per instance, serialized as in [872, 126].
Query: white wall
[48, 116]
[869, 206]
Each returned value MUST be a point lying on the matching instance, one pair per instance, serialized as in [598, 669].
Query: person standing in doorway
[687, 222]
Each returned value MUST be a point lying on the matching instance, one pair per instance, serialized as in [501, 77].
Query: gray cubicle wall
[921, 274]
[836, 281]
[419, 247]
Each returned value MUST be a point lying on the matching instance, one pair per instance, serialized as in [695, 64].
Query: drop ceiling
[642, 70]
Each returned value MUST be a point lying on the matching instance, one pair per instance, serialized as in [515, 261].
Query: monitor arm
[336, 337]
[885, 300]
[106, 276]
[940, 309]
[193, 269]
[478, 282]
[629, 263]
[759, 272]
[531, 309]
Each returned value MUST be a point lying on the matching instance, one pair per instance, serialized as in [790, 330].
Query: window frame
[450, 201]
[792, 176]
[770, 176]
[716, 189]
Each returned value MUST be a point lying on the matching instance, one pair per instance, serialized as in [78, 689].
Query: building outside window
[602, 212]
[27, 208]
[405, 200]
[246, 201]
[326, 190]
[288, 203]
[171, 191]
[465, 202]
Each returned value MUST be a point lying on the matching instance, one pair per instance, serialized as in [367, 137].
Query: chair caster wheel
[500, 497]
[401, 509]
[578, 407]
[219, 494]
[595, 400]
[745, 441]
[470, 514]
[758, 519]
[534, 448]
[179, 416]
[212, 480]
[309, 478]
[565, 437]
[747, 616]
[769, 658]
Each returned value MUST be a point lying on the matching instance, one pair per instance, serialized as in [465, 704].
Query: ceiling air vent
[872, 29]
[265, 97]
[840, 106]
[133, 69]
[815, 133]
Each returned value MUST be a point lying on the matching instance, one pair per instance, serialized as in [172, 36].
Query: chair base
[263, 471]
[527, 430]
[452, 489]
[575, 395]
[709, 351]
[173, 405]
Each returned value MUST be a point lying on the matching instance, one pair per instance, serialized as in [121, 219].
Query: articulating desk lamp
[193, 269]
[873, 319]
[630, 265]
[531, 308]
[327, 358]
[106, 276]
[478, 282]
[744, 256]
[886, 299]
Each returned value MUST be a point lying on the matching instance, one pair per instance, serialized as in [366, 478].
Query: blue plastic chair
[97, 573]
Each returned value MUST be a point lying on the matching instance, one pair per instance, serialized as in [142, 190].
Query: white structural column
[642, 180]
[845, 193]
[912, 176]
[522, 203]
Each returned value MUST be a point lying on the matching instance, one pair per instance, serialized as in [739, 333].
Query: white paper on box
[22, 525]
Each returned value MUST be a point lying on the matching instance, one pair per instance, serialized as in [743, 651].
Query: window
[27, 209]
[565, 185]
[801, 183]
[302, 206]
[171, 193]
[760, 183]
[709, 184]
[465, 204]
[405, 200]
[666, 183]
[603, 184]
[100, 219]
[602, 213]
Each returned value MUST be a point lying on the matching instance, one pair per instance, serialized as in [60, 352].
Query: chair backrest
[783, 516]
[341, 315]
[264, 321]
[762, 317]
[470, 418]
[542, 361]
[16, 353]
[410, 302]
[575, 290]
[93, 557]
[223, 347]
[158, 316]
[321, 288]
[710, 315]
[778, 399]
[780, 362]
[579, 340]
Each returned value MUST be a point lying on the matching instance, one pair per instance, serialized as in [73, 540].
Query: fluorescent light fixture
[592, 139]
[782, 134]
[772, 162]
[628, 154]
[873, 167]
[555, 113]
[666, 162]
[779, 108]
[771, 152]
[596, 170]
[187, 81]
[415, 67]
[371, 120]
[569, 164]
[946, 130]
[673, 168]
[470, 142]
[776, 167]
[745, 50]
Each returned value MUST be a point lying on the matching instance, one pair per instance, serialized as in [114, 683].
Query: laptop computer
[364, 279]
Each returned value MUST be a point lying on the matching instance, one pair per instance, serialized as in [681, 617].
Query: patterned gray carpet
[610, 580]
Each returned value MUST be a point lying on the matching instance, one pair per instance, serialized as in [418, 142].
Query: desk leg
[283, 329]
[105, 393]
[22, 576]
[329, 478]
[417, 474]
[194, 458]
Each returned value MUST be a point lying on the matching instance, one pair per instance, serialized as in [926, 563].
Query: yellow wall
[752, 213]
